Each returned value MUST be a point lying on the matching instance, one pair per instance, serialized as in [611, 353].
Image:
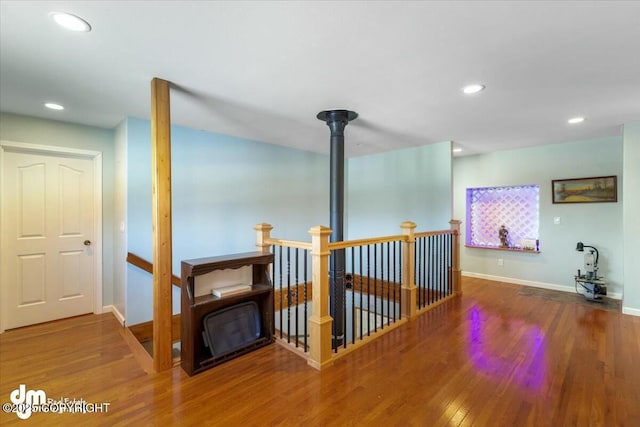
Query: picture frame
[598, 189]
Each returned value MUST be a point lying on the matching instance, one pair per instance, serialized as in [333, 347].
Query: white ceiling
[263, 70]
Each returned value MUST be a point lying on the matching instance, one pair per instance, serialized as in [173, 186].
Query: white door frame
[96, 156]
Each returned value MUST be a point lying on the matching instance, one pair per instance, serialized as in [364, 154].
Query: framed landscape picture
[597, 189]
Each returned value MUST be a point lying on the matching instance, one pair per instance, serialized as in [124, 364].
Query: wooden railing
[141, 334]
[382, 286]
[382, 289]
[433, 267]
[147, 266]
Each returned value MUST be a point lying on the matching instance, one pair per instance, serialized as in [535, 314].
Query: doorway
[51, 222]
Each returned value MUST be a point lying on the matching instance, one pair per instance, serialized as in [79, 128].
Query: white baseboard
[554, 287]
[631, 311]
[113, 309]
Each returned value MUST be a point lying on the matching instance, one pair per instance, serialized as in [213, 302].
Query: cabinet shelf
[195, 357]
[257, 289]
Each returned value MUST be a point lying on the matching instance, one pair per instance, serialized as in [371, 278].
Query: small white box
[230, 290]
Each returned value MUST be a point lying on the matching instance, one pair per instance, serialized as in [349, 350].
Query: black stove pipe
[337, 120]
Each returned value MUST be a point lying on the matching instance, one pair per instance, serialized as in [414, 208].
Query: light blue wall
[17, 128]
[386, 189]
[222, 187]
[631, 219]
[596, 224]
[120, 218]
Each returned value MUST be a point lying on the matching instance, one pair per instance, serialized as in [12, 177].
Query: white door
[47, 237]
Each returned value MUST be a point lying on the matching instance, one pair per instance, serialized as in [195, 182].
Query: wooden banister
[145, 265]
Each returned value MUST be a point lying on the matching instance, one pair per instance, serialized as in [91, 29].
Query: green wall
[631, 219]
[596, 224]
[385, 189]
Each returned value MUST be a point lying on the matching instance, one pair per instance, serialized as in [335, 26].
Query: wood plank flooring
[493, 357]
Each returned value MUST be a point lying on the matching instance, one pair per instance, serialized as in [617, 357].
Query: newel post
[456, 273]
[263, 233]
[409, 290]
[320, 322]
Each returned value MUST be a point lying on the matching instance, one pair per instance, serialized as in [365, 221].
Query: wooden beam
[161, 223]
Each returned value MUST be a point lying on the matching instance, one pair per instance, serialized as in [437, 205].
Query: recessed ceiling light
[473, 88]
[53, 106]
[574, 120]
[70, 22]
[457, 150]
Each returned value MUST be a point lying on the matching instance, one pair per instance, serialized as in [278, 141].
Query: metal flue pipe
[337, 120]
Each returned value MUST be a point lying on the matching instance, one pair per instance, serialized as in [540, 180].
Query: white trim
[96, 156]
[543, 285]
[97, 228]
[614, 295]
[631, 311]
[25, 147]
[116, 313]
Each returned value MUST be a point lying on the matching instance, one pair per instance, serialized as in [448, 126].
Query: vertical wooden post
[263, 234]
[409, 290]
[161, 221]
[456, 273]
[320, 322]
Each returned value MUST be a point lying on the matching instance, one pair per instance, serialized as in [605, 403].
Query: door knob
[87, 242]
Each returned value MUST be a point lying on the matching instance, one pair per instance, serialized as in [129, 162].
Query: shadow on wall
[246, 121]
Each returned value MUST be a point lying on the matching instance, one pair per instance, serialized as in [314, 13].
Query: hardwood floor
[493, 357]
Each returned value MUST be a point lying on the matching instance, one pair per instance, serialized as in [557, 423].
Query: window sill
[498, 248]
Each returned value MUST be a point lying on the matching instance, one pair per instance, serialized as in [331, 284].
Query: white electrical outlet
[500, 262]
[556, 220]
